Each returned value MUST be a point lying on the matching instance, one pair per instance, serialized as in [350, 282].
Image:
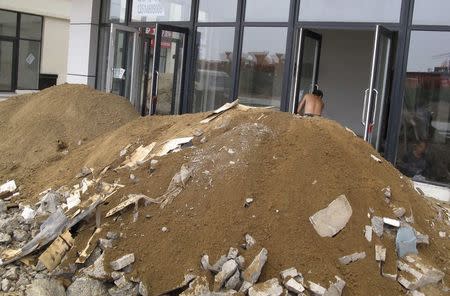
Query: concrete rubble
[352, 258]
[329, 221]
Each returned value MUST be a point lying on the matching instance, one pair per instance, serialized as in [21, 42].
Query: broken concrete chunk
[105, 243]
[380, 253]
[391, 222]
[127, 291]
[122, 262]
[123, 283]
[85, 171]
[289, 273]
[389, 276]
[293, 286]
[228, 269]
[424, 275]
[269, 288]
[234, 281]
[399, 212]
[87, 287]
[253, 271]
[249, 241]
[316, 289]
[417, 293]
[336, 288]
[112, 235]
[377, 225]
[97, 270]
[368, 233]
[199, 286]
[46, 288]
[204, 261]
[422, 238]
[143, 291]
[5, 238]
[240, 260]
[8, 187]
[219, 263]
[329, 221]
[232, 253]
[352, 258]
[406, 242]
[28, 213]
[405, 283]
[387, 192]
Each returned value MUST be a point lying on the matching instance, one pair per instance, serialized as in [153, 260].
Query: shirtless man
[313, 104]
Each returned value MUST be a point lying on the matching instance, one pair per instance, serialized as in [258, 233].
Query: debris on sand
[329, 221]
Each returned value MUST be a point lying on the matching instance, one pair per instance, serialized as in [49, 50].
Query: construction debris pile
[241, 201]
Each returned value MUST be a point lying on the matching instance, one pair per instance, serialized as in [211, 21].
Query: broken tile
[122, 262]
[368, 233]
[380, 253]
[293, 286]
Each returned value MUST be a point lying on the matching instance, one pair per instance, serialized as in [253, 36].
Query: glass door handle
[375, 106]
[364, 115]
[156, 82]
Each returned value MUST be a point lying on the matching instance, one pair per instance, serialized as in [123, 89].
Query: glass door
[147, 75]
[168, 70]
[376, 99]
[121, 60]
[308, 59]
[6, 65]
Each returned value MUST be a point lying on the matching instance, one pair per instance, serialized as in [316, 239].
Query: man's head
[318, 92]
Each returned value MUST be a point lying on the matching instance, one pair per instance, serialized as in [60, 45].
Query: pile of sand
[292, 167]
[36, 129]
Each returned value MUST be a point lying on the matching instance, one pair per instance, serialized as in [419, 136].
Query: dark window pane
[157, 10]
[267, 11]
[103, 57]
[262, 65]
[8, 23]
[29, 58]
[431, 12]
[382, 11]
[30, 26]
[114, 11]
[213, 73]
[217, 11]
[424, 143]
[6, 65]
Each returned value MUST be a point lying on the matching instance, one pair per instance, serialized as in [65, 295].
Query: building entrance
[354, 70]
[165, 66]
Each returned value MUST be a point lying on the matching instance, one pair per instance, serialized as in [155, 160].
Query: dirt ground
[291, 166]
[38, 129]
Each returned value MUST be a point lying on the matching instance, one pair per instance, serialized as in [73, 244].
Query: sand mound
[32, 125]
[292, 167]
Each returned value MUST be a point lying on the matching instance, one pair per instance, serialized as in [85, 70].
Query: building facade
[383, 65]
[34, 37]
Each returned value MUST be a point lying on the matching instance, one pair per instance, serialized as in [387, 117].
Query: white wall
[344, 72]
[55, 43]
[53, 8]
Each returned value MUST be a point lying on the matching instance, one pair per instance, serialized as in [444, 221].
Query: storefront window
[213, 73]
[217, 11]
[29, 59]
[380, 11]
[114, 11]
[262, 66]
[30, 26]
[424, 142]
[267, 11]
[431, 12]
[8, 22]
[161, 10]
[6, 65]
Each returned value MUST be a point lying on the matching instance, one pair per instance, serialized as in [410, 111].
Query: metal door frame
[156, 60]
[371, 94]
[111, 53]
[304, 33]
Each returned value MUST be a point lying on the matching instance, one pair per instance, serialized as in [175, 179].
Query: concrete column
[83, 42]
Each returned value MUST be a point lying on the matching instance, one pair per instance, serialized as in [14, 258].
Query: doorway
[164, 70]
[354, 70]
[121, 58]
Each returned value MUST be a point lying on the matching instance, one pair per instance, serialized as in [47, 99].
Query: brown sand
[276, 162]
[32, 125]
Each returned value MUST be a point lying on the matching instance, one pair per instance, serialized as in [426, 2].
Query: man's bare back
[312, 103]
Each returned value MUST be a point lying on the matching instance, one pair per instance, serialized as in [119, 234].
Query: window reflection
[424, 142]
[213, 73]
[384, 11]
[267, 11]
[262, 66]
[217, 11]
[431, 12]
